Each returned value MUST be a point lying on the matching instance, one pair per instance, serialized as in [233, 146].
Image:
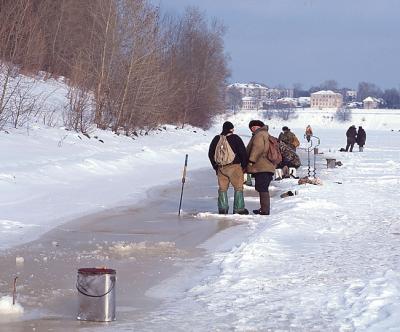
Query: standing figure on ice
[361, 138]
[308, 133]
[228, 157]
[351, 135]
[262, 169]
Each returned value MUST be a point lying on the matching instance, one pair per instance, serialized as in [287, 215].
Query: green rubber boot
[238, 203]
[223, 207]
[248, 181]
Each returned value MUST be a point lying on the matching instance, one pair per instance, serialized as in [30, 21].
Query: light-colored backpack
[224, 154]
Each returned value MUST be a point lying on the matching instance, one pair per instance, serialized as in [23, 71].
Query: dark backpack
[274, 153]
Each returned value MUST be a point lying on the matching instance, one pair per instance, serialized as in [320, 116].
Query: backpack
[295, 141]
[274, 153]
[224, 154]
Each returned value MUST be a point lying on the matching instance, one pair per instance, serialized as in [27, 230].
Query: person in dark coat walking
[361, 138]
[351, 134]
[231, 173]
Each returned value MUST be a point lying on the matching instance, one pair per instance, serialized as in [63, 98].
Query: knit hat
[256, 123]
[226, 127]
[285, 128]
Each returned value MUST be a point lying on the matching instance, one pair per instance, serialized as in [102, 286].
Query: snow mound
[236, 217]
[7, 307]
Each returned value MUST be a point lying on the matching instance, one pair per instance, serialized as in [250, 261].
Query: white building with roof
[371, 103]
[250, 103]
[326, 99]
[261, 94]
[251, 90]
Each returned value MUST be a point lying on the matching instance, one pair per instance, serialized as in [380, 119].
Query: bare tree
[343, 114]
[234, 99]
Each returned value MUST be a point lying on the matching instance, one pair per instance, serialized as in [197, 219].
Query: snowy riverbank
[50, 175]
[326, 259]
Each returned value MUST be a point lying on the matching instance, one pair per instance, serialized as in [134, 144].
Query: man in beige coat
[258, 165]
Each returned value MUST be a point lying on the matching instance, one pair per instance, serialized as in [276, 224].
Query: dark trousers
[351, 145]
[262, 181]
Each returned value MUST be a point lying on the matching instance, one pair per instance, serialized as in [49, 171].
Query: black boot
[264, 203]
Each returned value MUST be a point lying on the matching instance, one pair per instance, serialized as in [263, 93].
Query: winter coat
[361, 137]
[237, 146]
[309, 131]
[289, 157]
[257, 152]
[288, 138]
[351, 134]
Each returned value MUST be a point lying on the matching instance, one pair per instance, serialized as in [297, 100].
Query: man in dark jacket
[361, 138]
[351, 135]
[231, 173]
[259, 165]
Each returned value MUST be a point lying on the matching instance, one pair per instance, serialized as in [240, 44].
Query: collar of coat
[265, 128]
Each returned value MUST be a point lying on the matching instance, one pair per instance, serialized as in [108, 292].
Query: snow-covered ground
[51, 175]
[325, 260]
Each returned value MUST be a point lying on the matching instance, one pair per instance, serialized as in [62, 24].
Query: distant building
[250, 103]
[260, 93]
[326, 99]
[251, 90]
[371, 103]
[351, 95]
[287, 102]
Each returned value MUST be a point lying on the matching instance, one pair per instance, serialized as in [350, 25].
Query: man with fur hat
[290, 139]
[259, 165]
[230, 171]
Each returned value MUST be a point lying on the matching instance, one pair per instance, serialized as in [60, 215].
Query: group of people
[354, 136]
[253, 159]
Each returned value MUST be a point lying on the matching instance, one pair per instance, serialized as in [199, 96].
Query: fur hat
[285, 128]
[256, 123]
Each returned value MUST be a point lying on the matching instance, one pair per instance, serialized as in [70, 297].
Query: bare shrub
[78, 114]
[343, 114]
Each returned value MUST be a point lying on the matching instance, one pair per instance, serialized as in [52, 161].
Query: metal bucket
[96, 291]
[330, 163]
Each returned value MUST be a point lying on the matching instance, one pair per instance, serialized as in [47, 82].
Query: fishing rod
[183, 184]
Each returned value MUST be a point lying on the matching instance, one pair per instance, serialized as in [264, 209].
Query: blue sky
[307, 41]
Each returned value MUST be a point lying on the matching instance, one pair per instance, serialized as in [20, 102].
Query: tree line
[128, 65]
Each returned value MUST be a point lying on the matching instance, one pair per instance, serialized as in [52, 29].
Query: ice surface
[8, 308]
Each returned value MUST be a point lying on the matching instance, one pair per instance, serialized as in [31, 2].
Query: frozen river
[326, 259]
